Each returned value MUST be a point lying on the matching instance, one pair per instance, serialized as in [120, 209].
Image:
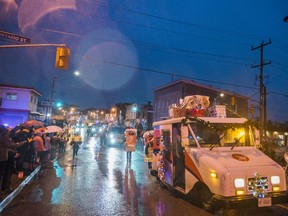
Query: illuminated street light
[55, 78]
[215, 99]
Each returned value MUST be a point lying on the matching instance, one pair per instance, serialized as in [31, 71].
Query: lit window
[11, 96]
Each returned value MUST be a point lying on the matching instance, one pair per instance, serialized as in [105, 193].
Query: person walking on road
[148, 140]
[62, 144]
[75, 145]
[130, 142]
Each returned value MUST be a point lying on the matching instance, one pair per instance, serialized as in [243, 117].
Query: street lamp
[215, 99]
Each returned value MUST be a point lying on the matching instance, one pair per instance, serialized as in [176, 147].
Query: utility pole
[52, 90]
[262, 108]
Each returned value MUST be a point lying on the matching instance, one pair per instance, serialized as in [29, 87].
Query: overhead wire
[160, 72]
[150, 46]
[177, 21]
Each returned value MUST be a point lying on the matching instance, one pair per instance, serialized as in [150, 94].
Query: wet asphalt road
[101, 182]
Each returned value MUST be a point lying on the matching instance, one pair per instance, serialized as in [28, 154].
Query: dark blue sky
[125, 49]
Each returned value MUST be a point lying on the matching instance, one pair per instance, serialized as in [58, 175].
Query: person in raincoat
[130, 142]
[75, 145]
[5, 144]
[148, 141]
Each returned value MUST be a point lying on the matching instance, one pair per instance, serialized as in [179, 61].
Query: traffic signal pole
[62, 53]
[31, 45]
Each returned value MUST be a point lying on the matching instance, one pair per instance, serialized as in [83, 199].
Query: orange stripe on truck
[191, 167]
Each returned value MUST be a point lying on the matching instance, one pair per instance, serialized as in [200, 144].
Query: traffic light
[59, 104]
[62, 58]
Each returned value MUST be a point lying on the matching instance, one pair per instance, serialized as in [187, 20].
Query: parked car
[115, 135]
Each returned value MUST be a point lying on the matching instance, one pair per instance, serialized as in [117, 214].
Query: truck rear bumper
[248, 200]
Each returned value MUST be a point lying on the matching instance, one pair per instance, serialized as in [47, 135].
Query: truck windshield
[220, 135]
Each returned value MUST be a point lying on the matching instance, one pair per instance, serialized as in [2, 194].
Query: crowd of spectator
[20, 158]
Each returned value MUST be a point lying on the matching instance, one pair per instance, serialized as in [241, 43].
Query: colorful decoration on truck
[194, 105]
[258, 186]
[161, 167]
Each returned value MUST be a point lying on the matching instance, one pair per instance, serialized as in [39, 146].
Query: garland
[224, 127]
[161, 168]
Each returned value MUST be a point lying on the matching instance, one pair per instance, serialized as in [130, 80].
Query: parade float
[213, 160]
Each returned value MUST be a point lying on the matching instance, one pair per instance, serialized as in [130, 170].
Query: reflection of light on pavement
[129, 189]
[82, 133]
[94, 149]
[160, 207]
[112, 152]
[92, 142]
[55, 198]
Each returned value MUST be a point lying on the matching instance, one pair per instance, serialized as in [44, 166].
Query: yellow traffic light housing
[62, 58]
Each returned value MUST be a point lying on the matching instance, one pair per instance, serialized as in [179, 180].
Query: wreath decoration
[257, 186]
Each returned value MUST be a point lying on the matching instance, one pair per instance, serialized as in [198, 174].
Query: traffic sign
[15, 37]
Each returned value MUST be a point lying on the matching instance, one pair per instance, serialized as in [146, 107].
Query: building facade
[140, 113]
[236, 105]
[17, 104]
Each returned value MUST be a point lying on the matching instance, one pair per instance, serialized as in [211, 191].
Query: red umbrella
[34, 123]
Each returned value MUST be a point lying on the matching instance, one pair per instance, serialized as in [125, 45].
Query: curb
[11, 196]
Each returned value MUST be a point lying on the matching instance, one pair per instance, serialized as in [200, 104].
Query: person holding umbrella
[40, 147]
[5, 144]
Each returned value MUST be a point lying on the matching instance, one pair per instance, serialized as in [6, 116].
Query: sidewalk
[17, 185]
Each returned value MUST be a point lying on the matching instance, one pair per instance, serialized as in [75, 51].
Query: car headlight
[239, 183]
[275, 179]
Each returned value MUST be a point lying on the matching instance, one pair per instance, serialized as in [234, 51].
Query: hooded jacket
[6, 143]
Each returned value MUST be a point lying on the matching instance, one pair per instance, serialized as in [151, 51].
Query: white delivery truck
[215, 161]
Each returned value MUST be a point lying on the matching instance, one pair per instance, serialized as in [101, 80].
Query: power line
[179, 21]
[166, 73]
[165, 48]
